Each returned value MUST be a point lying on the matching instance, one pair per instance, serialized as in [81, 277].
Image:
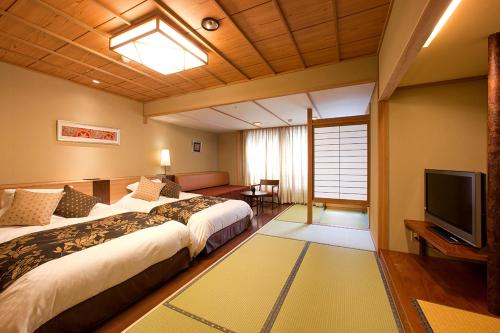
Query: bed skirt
[222, 236]
[93, 312]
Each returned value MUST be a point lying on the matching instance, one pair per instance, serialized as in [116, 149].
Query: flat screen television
[454, 201]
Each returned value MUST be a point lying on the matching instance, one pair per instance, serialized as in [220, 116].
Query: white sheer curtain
[278, 153]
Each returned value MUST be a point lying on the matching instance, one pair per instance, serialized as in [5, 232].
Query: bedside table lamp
[165, 159]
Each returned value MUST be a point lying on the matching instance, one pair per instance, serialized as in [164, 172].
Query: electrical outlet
[414, 236]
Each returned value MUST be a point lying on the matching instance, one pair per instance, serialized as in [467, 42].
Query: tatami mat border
[389, 294]
[421, 315]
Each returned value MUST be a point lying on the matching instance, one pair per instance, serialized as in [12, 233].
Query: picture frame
[68, 131]
[197, 146]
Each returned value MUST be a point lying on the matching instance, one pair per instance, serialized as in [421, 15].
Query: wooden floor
[449, 282]
[136, 311]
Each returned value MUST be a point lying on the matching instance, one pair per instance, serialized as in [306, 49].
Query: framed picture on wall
[196, 146]
[74, 132]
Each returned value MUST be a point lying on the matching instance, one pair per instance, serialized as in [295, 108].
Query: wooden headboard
[85, 186]
[117, 186]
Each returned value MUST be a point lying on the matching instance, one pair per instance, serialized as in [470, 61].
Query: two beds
[100, 281]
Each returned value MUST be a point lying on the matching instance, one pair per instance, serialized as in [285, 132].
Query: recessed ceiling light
[210, 24]
[158, 46]
[257, 123]
[442, 21]
[96, 81]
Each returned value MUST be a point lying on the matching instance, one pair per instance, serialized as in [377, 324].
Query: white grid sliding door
[341, 162]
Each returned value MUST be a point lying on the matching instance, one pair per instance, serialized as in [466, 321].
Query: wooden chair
[275, 189]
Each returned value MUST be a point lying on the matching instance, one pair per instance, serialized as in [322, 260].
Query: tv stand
[427, 236]
[449, 237]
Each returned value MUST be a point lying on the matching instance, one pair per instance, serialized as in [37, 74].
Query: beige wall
[373, 209]
[440, 127]
[30, 104]
[229, 157]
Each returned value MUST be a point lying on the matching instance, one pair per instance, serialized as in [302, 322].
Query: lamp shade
[165, 157]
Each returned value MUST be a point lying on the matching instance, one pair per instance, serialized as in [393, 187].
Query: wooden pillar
[383, 174]
[310, 166]
[493, 197]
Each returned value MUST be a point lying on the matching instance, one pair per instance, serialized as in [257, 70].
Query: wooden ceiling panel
[276, 48]
[236, 6]
[22, 48]
[260, 22]
[87, 11]
[316, 38]
[300, 16]
[12, 27]
[47, 68]
[15, 58]
[35, 13]
[286, 64]
[323, 56]
[363, 25]
[359, 48]
[65, 63]
[350, 7]
[121, 71]
[104, 77]
[138, 12]
[144, 80]
[256, 70]
[5, 4]
[81, 55]
[194, 11]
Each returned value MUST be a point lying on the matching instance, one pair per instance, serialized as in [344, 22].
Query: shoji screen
[341, 162]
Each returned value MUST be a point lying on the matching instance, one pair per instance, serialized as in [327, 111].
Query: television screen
[449, 198]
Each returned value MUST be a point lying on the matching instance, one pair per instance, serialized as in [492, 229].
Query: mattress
[203, 224]
[58, 285]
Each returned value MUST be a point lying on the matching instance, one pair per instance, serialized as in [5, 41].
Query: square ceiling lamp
[156, 45]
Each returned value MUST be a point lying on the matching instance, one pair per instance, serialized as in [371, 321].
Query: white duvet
[60, 284]
[202, 224]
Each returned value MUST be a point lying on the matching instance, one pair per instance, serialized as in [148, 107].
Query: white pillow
[8, 196]
[134, 186]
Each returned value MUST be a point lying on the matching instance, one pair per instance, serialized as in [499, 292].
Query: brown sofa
[211, 183]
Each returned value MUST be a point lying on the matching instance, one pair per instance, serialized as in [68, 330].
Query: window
[341, 162]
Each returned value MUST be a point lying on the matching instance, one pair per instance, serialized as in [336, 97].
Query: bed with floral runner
[212, 221]
[98, 265]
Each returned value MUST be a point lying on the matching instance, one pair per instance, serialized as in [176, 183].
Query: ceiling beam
[234, 117]
[82, 47]
[289, 32]
[244, 35]
[409, 26]
[31, 44]
[195, 34]
[269, 111]
[345, 73]
[337, 35]
[313, 104]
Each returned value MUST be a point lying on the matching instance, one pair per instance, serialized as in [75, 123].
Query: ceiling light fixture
[315, 118]
[125, 59]
[442, 21]
[210, 24]
[158, 46]
[96, 81]
[257, 123]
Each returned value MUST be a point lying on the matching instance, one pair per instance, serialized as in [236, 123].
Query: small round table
[257, 196]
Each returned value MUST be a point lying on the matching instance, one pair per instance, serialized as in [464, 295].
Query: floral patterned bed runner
[182, 210]
[20, 255]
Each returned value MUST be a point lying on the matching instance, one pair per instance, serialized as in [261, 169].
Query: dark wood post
[493, 197]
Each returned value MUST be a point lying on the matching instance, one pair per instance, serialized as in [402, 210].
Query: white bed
[55, 286]
[202, 224]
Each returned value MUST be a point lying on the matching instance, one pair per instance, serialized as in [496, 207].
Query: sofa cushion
[200, 180]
